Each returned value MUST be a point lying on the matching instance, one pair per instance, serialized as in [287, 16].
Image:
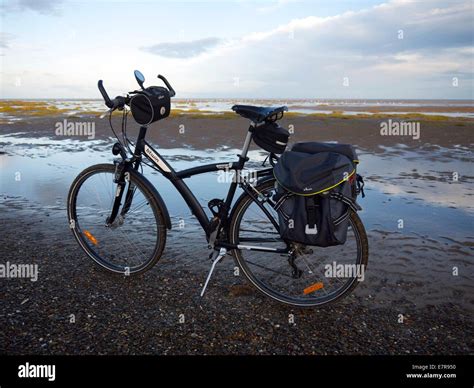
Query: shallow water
[416, 187]
[419, 220]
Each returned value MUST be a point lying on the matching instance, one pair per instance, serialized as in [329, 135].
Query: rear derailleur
[295, 251]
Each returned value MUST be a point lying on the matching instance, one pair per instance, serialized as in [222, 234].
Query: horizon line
[249, 98]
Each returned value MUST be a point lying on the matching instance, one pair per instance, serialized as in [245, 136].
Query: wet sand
[118, 315]
[409, 273]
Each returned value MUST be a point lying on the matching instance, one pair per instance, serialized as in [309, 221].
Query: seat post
[246, 146]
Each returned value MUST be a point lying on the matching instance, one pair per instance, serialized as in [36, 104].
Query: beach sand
[410, 270]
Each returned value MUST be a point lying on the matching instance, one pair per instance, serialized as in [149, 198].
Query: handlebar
[106, 97]
[120, 101]
[172, 92]
[117, 103]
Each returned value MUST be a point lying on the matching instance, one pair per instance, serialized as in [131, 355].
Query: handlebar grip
[106, 97]
[172, 92]
[118, 102]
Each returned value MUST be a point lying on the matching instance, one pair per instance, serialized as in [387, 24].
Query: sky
[362, 49]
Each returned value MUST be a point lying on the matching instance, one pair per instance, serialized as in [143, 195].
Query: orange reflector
[312, 288]
[91, 238]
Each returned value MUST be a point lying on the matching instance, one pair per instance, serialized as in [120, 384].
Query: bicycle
[120, 220]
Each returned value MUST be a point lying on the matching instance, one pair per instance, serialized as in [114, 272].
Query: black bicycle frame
[176, 177]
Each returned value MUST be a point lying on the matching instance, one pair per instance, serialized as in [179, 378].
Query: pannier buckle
[313, 230]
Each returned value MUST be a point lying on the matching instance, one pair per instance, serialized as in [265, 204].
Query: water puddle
[416, 187]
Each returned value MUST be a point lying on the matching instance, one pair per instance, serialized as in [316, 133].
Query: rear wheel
[306, 276]
[135, 240]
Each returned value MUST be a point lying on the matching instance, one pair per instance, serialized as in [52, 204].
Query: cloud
[310, 57]
[45, 7]
[5, 39]
[303, 58]
[182, 49]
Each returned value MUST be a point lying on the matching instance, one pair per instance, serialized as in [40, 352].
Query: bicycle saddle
[260, 113]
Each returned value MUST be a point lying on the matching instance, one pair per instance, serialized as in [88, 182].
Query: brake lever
[105, 113]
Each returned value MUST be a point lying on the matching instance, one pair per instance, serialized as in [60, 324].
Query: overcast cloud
[46, 7]
[400, 49]
[182, 49]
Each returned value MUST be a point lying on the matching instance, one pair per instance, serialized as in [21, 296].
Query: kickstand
[218, 255]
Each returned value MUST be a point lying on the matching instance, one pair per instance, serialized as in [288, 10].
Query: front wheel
[131, 244]
[306, 276]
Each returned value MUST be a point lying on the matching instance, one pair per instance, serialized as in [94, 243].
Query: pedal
[218, 256]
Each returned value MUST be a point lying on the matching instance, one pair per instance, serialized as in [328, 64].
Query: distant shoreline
[11, 110]
[252, 99]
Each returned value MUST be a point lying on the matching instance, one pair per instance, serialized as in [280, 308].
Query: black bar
[140, 141]
[192, 203]
[182, 188]
[231, 193]
[230, 246]
[264, 172]
[205, 169]
[331, 371]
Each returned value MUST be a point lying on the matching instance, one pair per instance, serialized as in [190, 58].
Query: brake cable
[125, 140]
[112, 127]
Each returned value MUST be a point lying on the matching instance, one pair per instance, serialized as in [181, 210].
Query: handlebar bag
[315, 194]
[271, 137]
[150, 105]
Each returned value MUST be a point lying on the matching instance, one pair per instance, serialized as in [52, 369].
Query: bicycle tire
[144, 185]
[241, 204]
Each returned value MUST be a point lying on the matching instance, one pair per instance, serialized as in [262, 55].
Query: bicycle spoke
[269, 269]
[129, 241]
[255, 226]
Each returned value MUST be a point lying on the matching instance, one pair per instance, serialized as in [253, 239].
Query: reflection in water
[42, 169]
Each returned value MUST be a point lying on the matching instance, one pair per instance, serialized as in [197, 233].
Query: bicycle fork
[121, 179]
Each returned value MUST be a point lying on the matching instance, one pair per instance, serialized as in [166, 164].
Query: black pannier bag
[315, 147]
[150, 105]
[271, 137]
[316, 189]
